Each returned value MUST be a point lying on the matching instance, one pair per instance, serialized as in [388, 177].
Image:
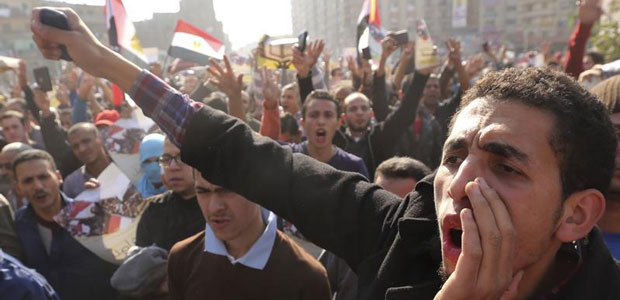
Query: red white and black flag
[193, 44]
[369, 31]
[122, 33]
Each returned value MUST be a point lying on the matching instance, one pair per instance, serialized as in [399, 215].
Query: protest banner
[426, 54]
[105, 219]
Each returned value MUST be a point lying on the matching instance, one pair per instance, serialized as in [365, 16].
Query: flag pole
[164, 73]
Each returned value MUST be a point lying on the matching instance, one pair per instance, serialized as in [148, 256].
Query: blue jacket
[72, 270]
[19, 282]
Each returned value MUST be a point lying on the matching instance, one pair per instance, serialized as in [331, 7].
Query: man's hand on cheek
[484, 269]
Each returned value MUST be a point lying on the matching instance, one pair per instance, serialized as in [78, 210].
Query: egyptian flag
[369, 32]
[192, 44]
[122, 33]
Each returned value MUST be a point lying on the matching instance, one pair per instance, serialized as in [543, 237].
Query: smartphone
[58, 19]
[366, 53]
[301, 43]
[401, 37]
[42, 77]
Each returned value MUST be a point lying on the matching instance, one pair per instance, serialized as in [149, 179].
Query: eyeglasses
[165, 160]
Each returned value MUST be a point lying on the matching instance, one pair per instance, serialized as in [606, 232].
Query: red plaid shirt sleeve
[171, 110]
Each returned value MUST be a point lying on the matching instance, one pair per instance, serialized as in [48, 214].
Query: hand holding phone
[57, 19]
[401, 37]
[301, 43]
[42, 77]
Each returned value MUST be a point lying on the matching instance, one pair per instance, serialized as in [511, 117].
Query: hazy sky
[245, 21]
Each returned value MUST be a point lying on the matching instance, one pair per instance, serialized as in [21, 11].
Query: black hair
[320, 95]
[583, 138]
[597, 57]
[33, 154]
[288, 124]
[402, 167]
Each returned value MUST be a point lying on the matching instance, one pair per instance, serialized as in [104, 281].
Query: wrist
[118, 70]
[303, 74]
[270, 104]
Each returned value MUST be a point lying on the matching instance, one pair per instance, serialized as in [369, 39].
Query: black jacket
[169, 219]
[392, 244]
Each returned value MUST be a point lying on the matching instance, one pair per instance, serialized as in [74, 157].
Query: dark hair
[33, 154]
[597, 57]
[216, 102]
[85, 126]
[333, 71]
[402, 167]
[320, 95]
[583, 138]
[13, 114]
[288, 124]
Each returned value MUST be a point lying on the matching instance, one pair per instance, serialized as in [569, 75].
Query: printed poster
[105, 219]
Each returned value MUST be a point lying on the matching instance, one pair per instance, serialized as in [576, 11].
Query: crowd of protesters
[483, 178]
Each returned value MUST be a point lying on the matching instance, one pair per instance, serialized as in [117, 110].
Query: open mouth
[452, 237]
[321, 135]
[456, 235]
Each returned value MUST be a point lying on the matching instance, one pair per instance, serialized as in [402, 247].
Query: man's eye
[506, 169]
[452, 160]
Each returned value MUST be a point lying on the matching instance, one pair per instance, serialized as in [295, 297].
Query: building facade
[522, 24]
[158, 31]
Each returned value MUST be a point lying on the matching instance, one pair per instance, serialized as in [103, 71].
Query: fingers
[48, 50]
[227, 64]
[506, 230]
[240, 80]
[513, 289]
[48, 33]
[215, 69]
[468, 265]
[490, 235]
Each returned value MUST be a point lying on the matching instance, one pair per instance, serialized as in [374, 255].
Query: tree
[606, 36]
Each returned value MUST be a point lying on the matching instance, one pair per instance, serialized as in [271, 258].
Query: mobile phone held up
[57, 19]
[401, 37]
[42, 77]
[302, 39]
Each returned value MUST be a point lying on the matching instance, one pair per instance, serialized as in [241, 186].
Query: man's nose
[467, 172]
[217, 203]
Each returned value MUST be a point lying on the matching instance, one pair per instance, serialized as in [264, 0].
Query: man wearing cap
[608, 92]
[150, 150]
[106, 118]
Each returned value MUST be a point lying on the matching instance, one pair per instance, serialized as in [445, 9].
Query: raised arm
[406, 58]
[339, 211]
[304, 62]
[270, 123]
[589, 12]
[224, 78]
[379, 90]
[54, 137]
[22, 77]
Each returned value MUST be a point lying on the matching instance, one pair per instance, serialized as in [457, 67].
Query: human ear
[580, 212]
[59, 176]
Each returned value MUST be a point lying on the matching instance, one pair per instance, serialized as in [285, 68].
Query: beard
[443, 274]
[356, 128]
